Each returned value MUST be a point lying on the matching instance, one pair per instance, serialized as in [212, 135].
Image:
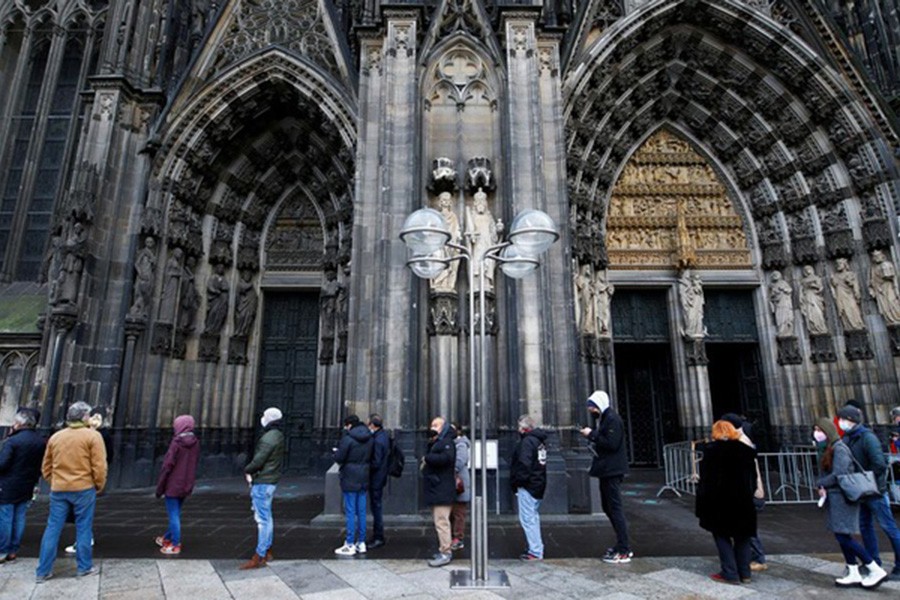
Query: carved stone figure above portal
[584, 286]
[174, 273]
[812, 302]
[72, 253]
[446, 279]
[845, 289]
[247, 303]
[216, 301]
[144, 267]
[690, 292]
[781, 304]
[603, 292]
[484, 232]
[883, 287]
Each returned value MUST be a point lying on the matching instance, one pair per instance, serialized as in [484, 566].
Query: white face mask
[819, 436]
[846, 425]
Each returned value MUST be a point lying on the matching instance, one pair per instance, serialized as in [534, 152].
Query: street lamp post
[426, 234]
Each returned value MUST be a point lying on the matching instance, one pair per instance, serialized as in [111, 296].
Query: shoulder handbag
[859, 485]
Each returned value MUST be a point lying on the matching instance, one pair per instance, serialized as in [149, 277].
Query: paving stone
[699, 584]
[15, 587]
[70, 588]
[341, 594]
[270, 587]
[307, 577]
[802, 561]
[121, 576]
[190, 580]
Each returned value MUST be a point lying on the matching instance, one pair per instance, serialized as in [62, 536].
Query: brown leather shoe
[254, 563]
[269, 557]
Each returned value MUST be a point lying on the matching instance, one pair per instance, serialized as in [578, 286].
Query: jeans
[734, 556]
[530, 520]
[880, 508]
[12, 526]
[757, 553]
[261, 495]
[173, 507]
[611, 503]
[82, 504]
[852, 550]
[355, 516]
[377, 502]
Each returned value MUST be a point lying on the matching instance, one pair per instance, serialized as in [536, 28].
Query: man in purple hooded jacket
[176, 480]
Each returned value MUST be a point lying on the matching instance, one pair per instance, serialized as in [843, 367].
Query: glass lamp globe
[428, 267]
[425, 231]
[514, 265]
[532, 232]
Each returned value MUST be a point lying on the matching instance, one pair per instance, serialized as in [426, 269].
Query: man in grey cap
[867, 451]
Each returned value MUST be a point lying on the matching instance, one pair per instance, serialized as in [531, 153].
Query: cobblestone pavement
[791, 576]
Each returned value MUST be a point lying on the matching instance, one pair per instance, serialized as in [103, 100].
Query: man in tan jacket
[75, 466]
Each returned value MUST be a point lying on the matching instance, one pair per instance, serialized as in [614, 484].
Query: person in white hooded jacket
[609, 465]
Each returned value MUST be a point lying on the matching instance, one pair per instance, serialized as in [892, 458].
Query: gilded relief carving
[668, 209]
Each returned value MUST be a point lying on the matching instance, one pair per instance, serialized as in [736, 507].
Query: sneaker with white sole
[615, 557]
[170, 549]
[361, 548]
[71, 549]
[440, 559]
[346, 550]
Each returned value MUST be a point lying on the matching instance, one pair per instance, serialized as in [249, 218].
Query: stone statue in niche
[603, 292]
[190, 299]
[484, 232]
[446, 280]
[171, 286]
[144, 265]
[690, 290]
[883, 287]
[812, 301]
[781, 304]
[54, 268]
[216, 301]
[845, 289]
[584, 285]
[72, 264]
[247, 303]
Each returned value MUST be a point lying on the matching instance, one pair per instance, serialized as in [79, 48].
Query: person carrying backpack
[528, 477]
[378, 474]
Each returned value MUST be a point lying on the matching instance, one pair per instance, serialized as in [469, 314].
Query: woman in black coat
[725, 500]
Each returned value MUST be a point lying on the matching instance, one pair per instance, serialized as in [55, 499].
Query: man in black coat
[378, 474]
[354, 454]
[20, 468]
[528, 477]
[609, 466]
[439, 485]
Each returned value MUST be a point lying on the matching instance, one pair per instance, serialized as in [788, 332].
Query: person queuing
[20, 469]
[867, 451]
[176, 480]
[843, 515]
[378, 474]
[724, 501]
[463, 492]
[263, 473]
[75, 466]
[528, 477]
[353, 455]
[609, 466]
[96, 423]
[894, 442]
[439, 485]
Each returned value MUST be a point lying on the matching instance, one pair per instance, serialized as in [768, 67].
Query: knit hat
[599, 400]
[851, 413]
[183, 424]
[895, 412]
[270, 415]
[734, 419]
[830, 430]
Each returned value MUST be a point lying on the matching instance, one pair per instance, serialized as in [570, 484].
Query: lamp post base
[493, 580]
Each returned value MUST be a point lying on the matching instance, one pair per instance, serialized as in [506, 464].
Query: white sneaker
[875, 576]
[71, 549]
[346, 550]
[852, 578]
[361, 548]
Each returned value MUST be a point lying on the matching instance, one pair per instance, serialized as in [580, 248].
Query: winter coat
[843, 516]
[381, 454]
[439, 479]
[75, 460]
[20, 465]
[463, 446]
[608, 439]
[354, 453]
[179, 468]
[528, 465]
[265, 467]
[724, 502]
[867, 450]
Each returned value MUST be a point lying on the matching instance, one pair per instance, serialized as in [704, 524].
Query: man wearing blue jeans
[354, 455]
[528, 477]
[867, 452]
[75, 466]
[21, 456]
[263, 474]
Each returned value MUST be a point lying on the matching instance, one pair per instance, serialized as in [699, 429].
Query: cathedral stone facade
[201, 202]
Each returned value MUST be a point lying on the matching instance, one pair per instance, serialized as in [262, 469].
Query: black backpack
[395, 459]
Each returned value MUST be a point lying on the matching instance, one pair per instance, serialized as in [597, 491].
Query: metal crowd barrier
[788, 477]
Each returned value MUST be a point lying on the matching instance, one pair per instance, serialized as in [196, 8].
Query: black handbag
[859, 485]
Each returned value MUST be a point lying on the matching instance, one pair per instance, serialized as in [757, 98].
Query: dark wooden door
[736, 385]
[287, 373]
